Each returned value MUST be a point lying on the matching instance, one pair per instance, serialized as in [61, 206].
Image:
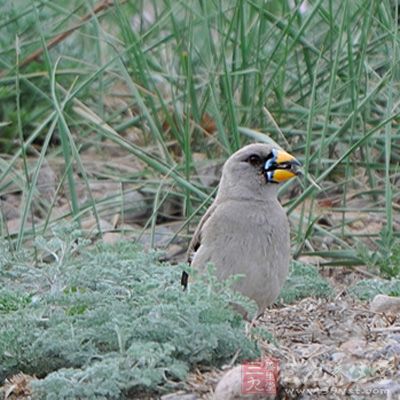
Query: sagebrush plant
[367, 289]
[101, 321]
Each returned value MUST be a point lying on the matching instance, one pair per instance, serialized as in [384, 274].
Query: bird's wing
[196, 239]
[196, 242]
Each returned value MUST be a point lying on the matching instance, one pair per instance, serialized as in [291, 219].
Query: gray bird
[246, 230]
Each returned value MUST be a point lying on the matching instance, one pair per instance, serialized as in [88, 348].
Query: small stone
[113, 199]
[385, 304]
[135, 206]
[354, 346]
[159, 238]
[391, 350]
[112, 237]
[46, 182]
[13, 225]
[90, 225]
[231, 387]
[338, 356]
[358, 225]
[175, 253]
[208, 171]
[10, 206]
[179, 396]
[395, 337]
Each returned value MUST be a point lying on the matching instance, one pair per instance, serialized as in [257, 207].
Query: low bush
[109, 321]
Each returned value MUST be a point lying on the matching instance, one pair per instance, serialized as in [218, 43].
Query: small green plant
[111, 321]
[304, 281]
[386, 258]
[369, 288]
[11, 301]
[388, 255]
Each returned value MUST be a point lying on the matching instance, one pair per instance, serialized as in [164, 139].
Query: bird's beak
[282, 167]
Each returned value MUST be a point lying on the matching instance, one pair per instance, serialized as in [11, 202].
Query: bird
[246, 230]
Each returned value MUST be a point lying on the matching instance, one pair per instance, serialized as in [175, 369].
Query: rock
[162, 236]
[172, 207]
[112, 237]
[232, 385]
[135, 206]
[208, 171]
[46, 182]
[395, 337]
[90, 225]
[385, 304]
[13, 225]
[313, 260]
[391, 350]
[354, 346]
[175, 254]
[338, 356]
[10, 206]
[111, 199]
[358, 225]
[179, 396]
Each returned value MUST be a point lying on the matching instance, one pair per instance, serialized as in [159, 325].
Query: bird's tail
[184, 280]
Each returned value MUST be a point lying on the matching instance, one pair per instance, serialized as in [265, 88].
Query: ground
[328, 348]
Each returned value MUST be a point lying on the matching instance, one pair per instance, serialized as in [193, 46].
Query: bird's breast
[250, 240]
[245, 238]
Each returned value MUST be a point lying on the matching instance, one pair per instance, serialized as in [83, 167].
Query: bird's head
[256, 169]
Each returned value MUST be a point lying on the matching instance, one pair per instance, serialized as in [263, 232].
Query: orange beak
[282, 167]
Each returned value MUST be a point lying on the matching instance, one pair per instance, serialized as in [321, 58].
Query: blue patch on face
[269, 176]
[269, 166]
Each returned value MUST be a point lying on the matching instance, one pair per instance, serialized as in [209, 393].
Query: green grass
[323, 84]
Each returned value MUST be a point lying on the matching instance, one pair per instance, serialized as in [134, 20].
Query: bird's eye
[254, 159]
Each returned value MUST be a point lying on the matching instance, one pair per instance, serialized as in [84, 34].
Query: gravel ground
[326, 348]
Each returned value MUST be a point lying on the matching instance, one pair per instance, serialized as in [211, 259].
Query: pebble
[230, 387]
[385, 304]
